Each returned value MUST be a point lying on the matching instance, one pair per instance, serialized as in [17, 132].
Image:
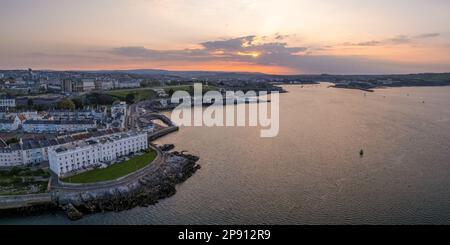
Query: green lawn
[189, 88]
[21, 181]
[139, 94]
[114, 171]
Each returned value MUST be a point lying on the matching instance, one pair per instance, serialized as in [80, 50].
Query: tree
[150, 83]
[144, 83]
[191, 90]
[130, 98]
[78, 103]
[39, 107]
[171, 92]
[12, 141]
[66, 104]
[30, 102]
[99, 99]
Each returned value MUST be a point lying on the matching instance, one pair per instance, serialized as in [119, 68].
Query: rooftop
[58, 122]
[96, 140]
[30, 144]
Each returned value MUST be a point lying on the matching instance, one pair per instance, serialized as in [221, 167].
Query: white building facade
[7, 102]
[9, 124]
[10, 157]
[104, 85]
[127, 84]
[79, 155]
[119, 113]
[88, 84]
[66, 115]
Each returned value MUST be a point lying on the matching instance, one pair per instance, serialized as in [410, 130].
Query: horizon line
[218, 71]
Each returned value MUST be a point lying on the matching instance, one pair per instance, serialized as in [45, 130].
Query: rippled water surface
[312, 172]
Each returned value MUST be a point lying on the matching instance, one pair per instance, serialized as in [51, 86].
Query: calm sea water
[312, 172]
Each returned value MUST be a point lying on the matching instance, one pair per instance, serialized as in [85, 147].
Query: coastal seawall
[163, 132]
[141, 188]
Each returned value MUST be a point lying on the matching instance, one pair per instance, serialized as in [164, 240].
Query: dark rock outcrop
[72, 212]
[167, 147]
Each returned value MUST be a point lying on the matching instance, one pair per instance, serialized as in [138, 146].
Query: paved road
[133, 115]
[10, 202]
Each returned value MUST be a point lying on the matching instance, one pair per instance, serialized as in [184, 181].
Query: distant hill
[184, 74]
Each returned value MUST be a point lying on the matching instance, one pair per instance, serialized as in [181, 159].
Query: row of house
[119, 114]
[46, 126]
[29, 115]
[93, 152]
[33, 151]
[7, 125]
[54, 121]
[86, 114]
[57, 126]
[89, 84]
[78, 85]
[7, 102]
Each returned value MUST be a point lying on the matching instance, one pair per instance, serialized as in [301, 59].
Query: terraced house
[95, 151]
[35, 151]
[53, 126]
[10, 156]
[87, 114]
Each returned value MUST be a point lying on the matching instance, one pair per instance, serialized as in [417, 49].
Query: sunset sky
[279, 36]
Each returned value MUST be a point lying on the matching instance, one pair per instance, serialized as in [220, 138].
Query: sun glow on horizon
[252, 54]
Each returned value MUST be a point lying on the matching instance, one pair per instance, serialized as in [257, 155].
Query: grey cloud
[144, 53]
[368, 43]
[231, 49]
[230, 44]
[280, 37]
[427, 35]
[402, 39]
[399, 40]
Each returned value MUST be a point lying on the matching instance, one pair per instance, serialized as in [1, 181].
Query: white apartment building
[7, 102]
[11, 156]
[119, 113]
[88, 84]
[34, 151]
[127, 84]
[76, 86]
[9, 124]
[84, 154]
[118, 109]
[66, 115]
[104, 85]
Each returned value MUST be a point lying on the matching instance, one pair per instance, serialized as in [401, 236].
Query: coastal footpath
[141, 188]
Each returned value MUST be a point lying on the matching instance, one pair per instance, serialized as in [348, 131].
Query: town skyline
[287, 37]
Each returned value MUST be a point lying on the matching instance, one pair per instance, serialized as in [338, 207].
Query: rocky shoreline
[176, 168]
